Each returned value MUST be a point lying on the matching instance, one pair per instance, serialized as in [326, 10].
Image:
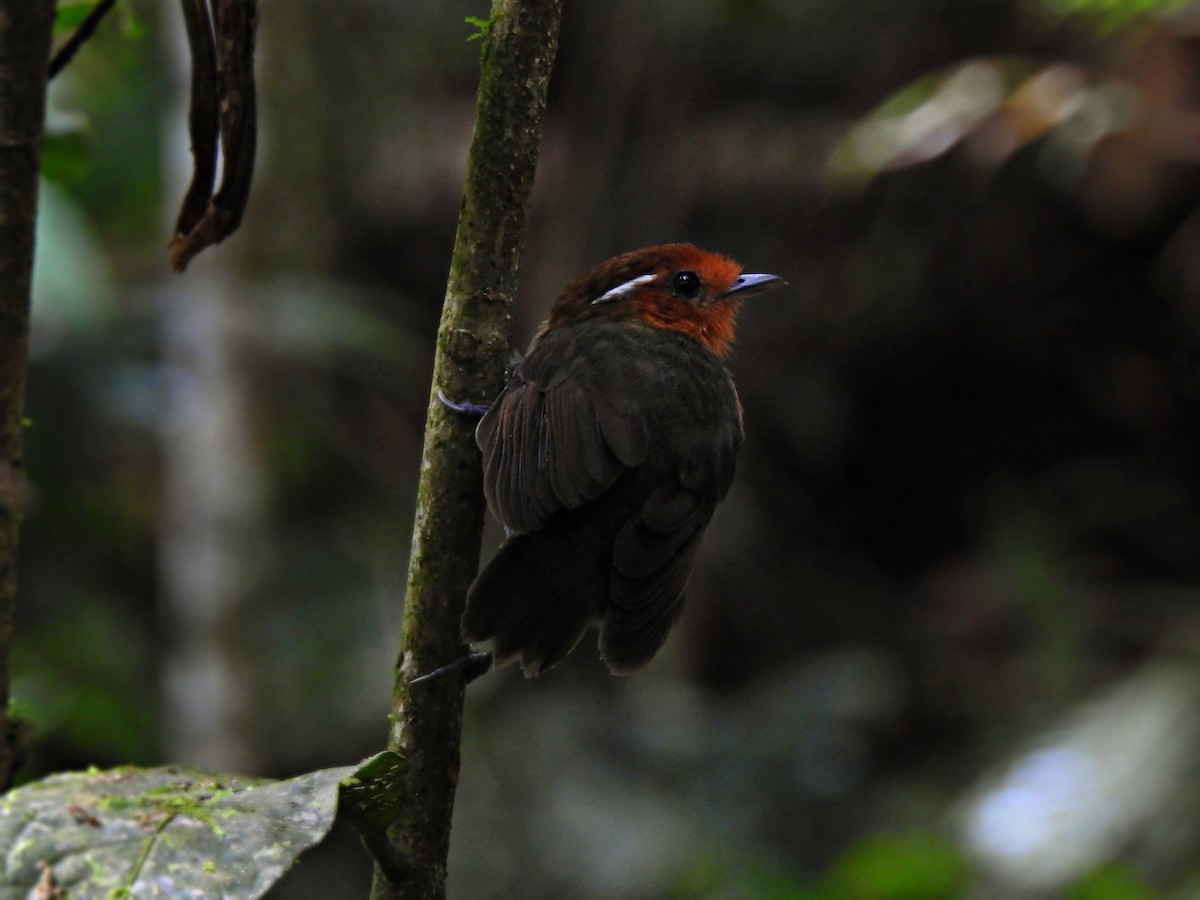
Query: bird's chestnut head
[673, 286]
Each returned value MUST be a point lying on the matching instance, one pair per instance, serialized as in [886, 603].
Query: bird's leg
[466, 407]
[472, 666]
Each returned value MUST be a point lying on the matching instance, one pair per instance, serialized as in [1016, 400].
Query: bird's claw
[472, 666]
[466, 407]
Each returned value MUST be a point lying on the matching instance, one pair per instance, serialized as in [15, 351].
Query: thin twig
[81, 36]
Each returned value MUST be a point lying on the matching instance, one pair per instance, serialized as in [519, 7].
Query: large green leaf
[173, 831]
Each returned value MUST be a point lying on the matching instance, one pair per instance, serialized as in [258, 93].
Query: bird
[605, 456]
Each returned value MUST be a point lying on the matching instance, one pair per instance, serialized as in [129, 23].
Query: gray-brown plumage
[605, 457]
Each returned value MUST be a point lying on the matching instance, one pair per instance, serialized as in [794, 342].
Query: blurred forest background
[942, 638]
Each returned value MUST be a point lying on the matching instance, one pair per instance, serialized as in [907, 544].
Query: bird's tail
[534, 600]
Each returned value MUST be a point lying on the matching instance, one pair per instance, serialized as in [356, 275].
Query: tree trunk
[214, 534]
[472, 351]
[25, 28]
[214, 537]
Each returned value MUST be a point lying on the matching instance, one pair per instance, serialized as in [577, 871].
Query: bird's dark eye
[686, 285]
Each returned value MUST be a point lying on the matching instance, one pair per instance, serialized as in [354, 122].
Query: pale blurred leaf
[991, 106]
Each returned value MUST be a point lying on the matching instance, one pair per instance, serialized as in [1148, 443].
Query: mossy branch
[472, 351]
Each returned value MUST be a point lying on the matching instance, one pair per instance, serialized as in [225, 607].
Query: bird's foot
[466, 407]
[472, 666]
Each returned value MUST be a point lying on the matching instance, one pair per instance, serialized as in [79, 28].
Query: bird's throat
[710, 323]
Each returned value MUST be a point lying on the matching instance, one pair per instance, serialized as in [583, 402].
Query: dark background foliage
[962, 548]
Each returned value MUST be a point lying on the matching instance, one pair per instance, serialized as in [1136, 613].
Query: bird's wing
[654, 550]
[652, 558]
[556, 437]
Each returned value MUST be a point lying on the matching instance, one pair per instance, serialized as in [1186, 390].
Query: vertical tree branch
[25, 27]
[213, 528]
[472, 351]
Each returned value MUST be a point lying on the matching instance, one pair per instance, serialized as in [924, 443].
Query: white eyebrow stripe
[625, 288]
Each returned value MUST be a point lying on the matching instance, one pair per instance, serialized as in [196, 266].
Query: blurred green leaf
[80, 690]
[1110, 883]
[71, 15]
[763, 878]
[1109, 15]
[133, 26]
[900, 867]
[67, 158]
